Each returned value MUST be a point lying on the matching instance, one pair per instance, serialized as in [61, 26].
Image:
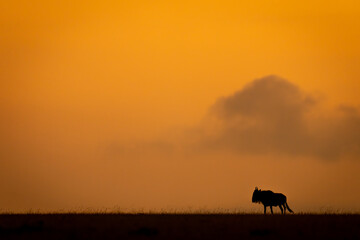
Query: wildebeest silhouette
[269, 198]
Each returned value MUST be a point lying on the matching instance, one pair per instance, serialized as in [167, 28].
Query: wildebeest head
[256, 195]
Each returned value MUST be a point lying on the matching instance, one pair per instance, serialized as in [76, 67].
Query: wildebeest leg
[264, 209]
[284, 209]
[271, 210]
[281, 209]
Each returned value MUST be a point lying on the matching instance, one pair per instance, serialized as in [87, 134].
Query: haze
[179, 105]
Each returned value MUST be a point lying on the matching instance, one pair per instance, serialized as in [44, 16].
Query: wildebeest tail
[287, 206]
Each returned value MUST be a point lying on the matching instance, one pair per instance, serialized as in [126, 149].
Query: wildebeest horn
[256, 188]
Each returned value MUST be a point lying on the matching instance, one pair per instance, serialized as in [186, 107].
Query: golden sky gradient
[142, 105]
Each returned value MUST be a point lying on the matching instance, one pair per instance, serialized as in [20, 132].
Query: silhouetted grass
[179, 226]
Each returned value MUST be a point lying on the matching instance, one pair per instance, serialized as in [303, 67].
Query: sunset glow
[179, 105]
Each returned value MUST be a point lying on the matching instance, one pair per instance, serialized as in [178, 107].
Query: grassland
[179, 226]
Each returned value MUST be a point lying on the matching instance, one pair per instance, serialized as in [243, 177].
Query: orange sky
[109, 104]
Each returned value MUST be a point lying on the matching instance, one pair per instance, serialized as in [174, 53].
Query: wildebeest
[269, 198]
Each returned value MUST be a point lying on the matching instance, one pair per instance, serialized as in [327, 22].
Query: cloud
[273, 116]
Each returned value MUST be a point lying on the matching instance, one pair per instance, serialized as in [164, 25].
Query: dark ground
[178, 226]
